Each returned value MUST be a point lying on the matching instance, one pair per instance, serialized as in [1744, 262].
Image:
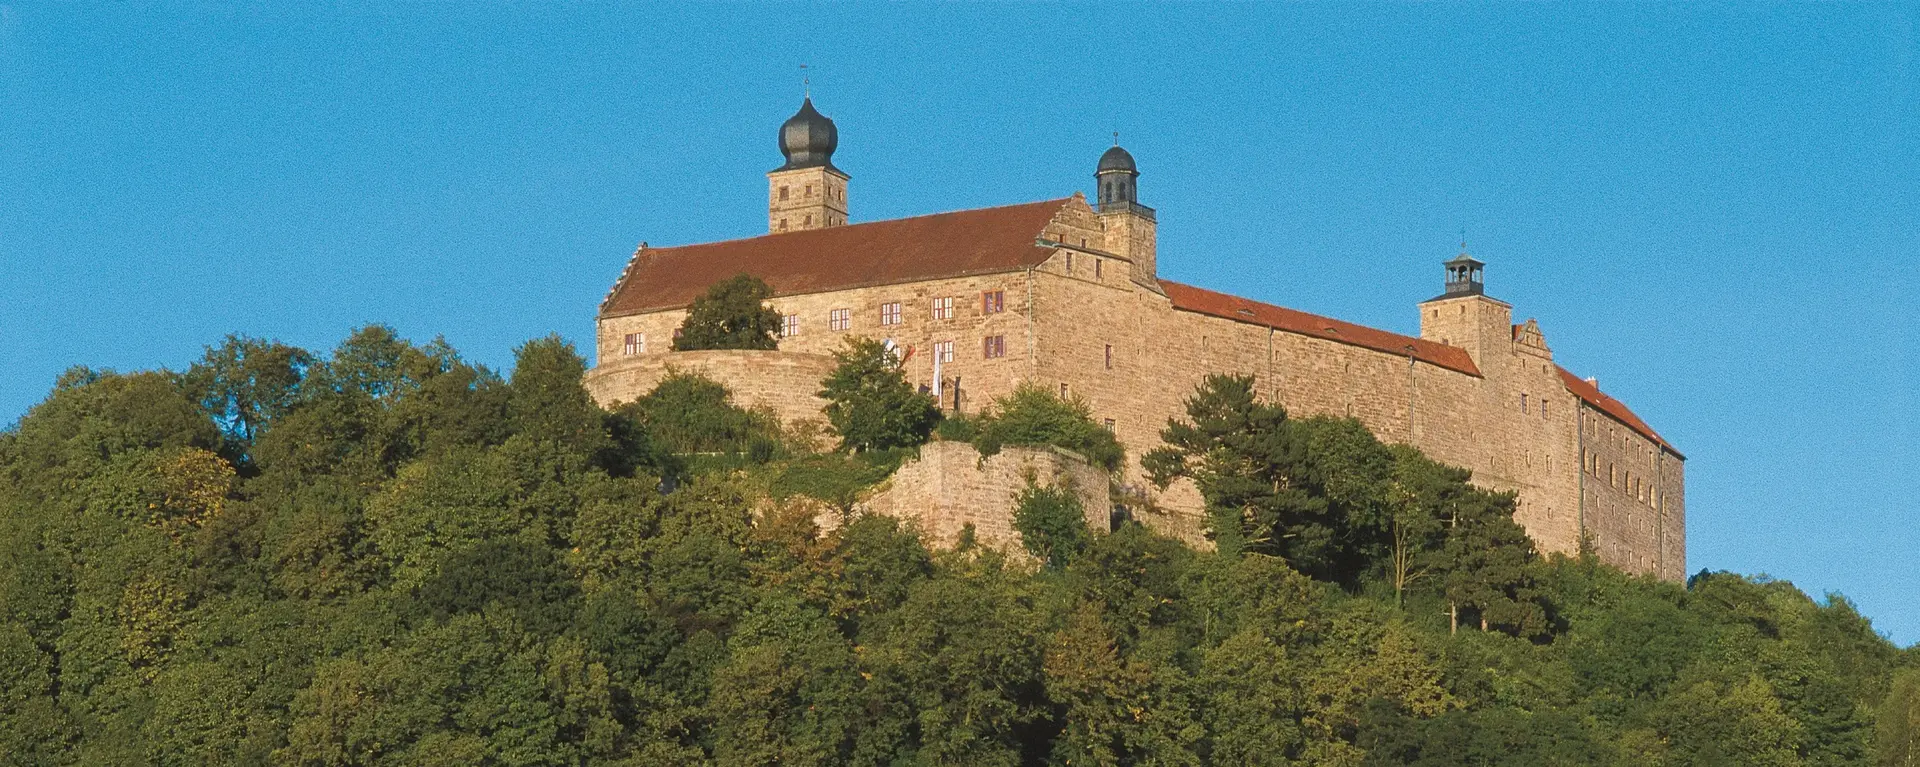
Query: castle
[1066, 293]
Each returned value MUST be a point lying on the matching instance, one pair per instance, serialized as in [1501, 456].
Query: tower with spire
[808, 192]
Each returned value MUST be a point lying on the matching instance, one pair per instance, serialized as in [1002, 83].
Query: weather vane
[806, 82]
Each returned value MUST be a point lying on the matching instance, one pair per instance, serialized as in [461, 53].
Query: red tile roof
[1240, 309]
[1592, 395]
[967, 242]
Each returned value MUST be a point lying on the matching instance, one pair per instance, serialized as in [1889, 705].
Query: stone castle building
[1066, 293]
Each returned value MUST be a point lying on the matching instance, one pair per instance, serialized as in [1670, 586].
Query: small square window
[789, 325]
[783, 193]
[1109, 424]
[995, 347]
[636, 343]
[840, 319]
[890, 313]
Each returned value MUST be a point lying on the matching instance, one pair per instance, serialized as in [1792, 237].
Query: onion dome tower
[1130, 226]
[808, 192]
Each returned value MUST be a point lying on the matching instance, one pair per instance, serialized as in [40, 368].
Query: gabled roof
[1618, 410]
[968, 242]
[1204, 301]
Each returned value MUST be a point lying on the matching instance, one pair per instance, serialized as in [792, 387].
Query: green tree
[245, 383]
[1897, 722]
[732, 314]
[1253, 470]
[869, 402]
[1051, 523]
[690, 413]
[1032, 415]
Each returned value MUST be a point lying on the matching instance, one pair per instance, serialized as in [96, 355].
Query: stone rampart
[950, 487]
[784, 382]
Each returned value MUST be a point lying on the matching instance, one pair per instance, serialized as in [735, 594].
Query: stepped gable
[1592, 395]
[942, 245]
[1200, 300]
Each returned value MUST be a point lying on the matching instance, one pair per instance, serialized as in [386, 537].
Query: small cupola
[808, 139]
[1464, 277]
[1117, 178]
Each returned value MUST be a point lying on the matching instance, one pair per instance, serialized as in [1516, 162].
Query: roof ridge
[1435, 353]
[843, 227]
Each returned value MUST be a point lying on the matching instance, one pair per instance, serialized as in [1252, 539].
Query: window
[1069, 263]
[1109, 424]
[943, 308]
[1523, 403]
[783, 193]
[783, 225]
[1109, 356]
[1096, 268]
[1543, 408]
[993, 302]
[840, 319]
[789, 325]
[809, 190]
[636, 343]
[994, 347]
[1063, 390]
[808, 221]
[943, 351]
[890, 313]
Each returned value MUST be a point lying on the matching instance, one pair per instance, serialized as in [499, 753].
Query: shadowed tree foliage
[732, 314]
[1033, 415]
[395, 557]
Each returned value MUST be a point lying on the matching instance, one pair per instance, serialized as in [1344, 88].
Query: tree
[1052, 525]
[1032, 415]
[1897, 729]
[245, 383]
[1252, 469]
[690, 413]
[732, 314]
[869, 402]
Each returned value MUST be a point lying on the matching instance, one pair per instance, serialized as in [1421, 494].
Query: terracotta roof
[1239, 309]
[1592, 395]
[967, 242]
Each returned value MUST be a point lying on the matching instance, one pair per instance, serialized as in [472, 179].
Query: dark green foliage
[732, 314]
[689, 413]
[1032, 415]
[1051, 524]
[869, 402]
[396, 558]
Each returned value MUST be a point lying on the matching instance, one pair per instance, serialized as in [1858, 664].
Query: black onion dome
[808, 139]
[1116, 159]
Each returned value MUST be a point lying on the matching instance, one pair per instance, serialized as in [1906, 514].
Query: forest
[386, 555]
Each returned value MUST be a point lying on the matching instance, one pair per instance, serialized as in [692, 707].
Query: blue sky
[1711, 208]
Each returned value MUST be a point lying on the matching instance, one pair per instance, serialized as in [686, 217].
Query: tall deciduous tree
[732, 314]
[869, 402]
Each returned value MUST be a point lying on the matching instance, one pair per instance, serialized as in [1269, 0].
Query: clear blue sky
[1710, 208]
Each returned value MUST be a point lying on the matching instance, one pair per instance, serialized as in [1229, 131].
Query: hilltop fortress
[1067, 294]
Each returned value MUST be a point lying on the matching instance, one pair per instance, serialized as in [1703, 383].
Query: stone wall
[950, 487]
[784, 382]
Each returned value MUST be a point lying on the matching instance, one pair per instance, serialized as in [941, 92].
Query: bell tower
[1130, 226]
[807, 192]
[1464, 316]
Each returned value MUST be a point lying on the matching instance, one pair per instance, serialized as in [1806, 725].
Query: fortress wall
[1160, 355]
[784, 382]
[1631, 489]
[949, 487]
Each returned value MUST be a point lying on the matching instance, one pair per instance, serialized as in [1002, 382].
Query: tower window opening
[809, 190]
[809, 220]
[783, 225]
[783, 193]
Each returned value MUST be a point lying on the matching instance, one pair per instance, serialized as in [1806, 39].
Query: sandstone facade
[1065, 294]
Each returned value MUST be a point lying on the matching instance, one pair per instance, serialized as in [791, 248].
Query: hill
[385, 555]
